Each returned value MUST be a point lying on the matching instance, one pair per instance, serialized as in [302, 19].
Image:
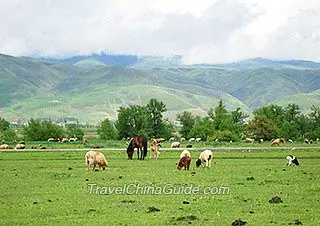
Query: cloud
[202, 31]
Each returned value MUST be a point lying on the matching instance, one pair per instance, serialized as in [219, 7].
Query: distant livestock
[205, 157]
[20, 146]
[154, 149]
[192, 139]
[64, 140]
[185, 160]
[249, 140]
[73, 139]
[182, 139]
[277, 141]
[4, 146]
[198, 139]
[292, 160]
[171, 139]
[189, 146]
[175, 144]
[95, 158]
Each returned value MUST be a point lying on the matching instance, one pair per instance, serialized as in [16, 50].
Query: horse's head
[130, 150]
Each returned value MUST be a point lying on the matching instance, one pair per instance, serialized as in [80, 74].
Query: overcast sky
[202, 31]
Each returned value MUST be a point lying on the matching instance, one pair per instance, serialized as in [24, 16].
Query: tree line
[266, 123]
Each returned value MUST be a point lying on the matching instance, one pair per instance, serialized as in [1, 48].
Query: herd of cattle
[95, 158]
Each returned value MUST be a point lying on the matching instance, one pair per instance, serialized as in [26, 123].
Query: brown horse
[139, 142]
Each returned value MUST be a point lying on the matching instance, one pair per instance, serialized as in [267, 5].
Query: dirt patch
[152, 209]
[238, 222]
[187, 218]
[276, 199]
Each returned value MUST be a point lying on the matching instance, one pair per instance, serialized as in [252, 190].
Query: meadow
[52, 187]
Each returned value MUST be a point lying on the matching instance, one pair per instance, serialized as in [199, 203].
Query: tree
[272, 112]
[4, 124]
[261, 127]
[155, 110]
[74, 131]
[107, 131]
[42, 130]
[203, 127]
[219, 115]
[187, 120]
[132, 121]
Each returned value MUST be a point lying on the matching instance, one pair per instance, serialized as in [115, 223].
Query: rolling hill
[91, 90]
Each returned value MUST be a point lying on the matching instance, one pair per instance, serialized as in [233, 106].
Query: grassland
[52, 188]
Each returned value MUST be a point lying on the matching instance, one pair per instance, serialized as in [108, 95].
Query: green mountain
[91, 91]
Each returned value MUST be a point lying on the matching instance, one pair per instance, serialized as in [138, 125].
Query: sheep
[175, 144]
[20, 146]
[185, 160]
[205, 156]
[154, 148]
[249, 140]
[95, 158]
[158, 140]
[73, 139]
[4, 146]
[276, 142]
[185, 153]
[292, 160]
[64, 140]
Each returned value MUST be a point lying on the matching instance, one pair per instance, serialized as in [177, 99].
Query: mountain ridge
[42, 88]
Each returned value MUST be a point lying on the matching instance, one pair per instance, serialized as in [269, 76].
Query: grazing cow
[292, 160]
[95, 158]
[249, 140]
[192, 139]
[175, 144]
[260, 141]
[22, 142]
[171, 139]
[182, 139]
[205, 156]
[154, 149]
[4, 146]
[189, 146]
[184, 162]
[198, 139]
[283, 140]
[3, 141]
[290, 140]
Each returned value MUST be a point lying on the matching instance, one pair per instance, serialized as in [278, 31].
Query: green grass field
[53, 188]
